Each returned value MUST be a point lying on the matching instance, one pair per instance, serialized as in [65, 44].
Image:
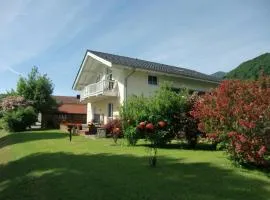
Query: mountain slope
[251, 69]
[219, 74]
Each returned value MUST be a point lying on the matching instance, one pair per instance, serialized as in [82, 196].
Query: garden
[235, 118]
[172, 145]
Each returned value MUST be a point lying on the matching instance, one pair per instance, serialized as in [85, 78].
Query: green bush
[18, 119]
[165, 105]
[134, 110]
[132, 135]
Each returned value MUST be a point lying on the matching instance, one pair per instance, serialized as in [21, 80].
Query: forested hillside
[251, 69]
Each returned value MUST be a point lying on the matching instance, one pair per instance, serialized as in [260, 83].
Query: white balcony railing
[105, 87]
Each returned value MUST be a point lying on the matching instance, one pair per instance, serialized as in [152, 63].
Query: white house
[105, 81]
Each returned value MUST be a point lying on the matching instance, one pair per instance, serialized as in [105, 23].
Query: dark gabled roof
[70, 105]
[72, 108]
[153, 66]
[67, 100]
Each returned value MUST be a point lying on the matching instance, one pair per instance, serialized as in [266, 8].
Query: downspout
[126, 82]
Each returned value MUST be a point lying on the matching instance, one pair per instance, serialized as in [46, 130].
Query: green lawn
[45, 165]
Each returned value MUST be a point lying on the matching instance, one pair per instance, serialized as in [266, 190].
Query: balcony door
[98, 78]
[109, 82]
[109, 77]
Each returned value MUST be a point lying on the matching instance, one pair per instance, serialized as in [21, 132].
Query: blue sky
[206, 36]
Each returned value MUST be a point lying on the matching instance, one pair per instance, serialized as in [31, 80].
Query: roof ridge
[116, 59]
[135, 58]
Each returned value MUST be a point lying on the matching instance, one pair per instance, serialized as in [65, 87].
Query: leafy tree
[37, 88]
[160, 118]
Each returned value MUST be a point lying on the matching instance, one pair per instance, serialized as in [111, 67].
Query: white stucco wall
[119, 75]
[101, 107]
[138, 83]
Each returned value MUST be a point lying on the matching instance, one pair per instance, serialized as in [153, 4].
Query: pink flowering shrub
[13, 102]
[17, 114]
[237, 113]
[114, 128]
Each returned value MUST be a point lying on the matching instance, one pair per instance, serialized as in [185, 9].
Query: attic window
[152, 80]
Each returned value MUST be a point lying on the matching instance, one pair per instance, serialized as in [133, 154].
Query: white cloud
[10, 10]
[15, 72]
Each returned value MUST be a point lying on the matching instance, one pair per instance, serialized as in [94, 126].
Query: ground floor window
[110, 110]
[62, 116]
[152, 80]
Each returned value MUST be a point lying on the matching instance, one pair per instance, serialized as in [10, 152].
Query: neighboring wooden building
[69, 110]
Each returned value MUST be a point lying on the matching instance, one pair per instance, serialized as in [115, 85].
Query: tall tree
[37, 88]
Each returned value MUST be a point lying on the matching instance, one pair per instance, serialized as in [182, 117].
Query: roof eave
[88, 53]
[79, 72]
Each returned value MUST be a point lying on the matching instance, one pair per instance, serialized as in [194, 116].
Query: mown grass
[45, 165]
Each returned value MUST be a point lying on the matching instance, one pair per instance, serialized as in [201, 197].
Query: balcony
[100, 89]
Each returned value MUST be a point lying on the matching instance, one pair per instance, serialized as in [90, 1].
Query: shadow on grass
[105, 176]
[199, 146]
[21, 137]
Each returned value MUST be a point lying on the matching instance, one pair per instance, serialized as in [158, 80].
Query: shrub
[238, 113]
[13, 102]
[165, 105]
[132, 135]
[18, 119]
[114, 128]
[187, 123]
[134, 110]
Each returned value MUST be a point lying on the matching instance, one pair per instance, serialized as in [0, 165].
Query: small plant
[131, 134]
[116, 133]
[114, 128]
[155, 135]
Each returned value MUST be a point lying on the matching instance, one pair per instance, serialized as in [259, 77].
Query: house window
[109, 77]
[152, 80]
[98, 78]
[177, 90]
[110, 110]
[62, 116]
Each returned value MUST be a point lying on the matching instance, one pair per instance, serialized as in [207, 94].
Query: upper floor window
[109, 77]
[98, 78]
[152, 80]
